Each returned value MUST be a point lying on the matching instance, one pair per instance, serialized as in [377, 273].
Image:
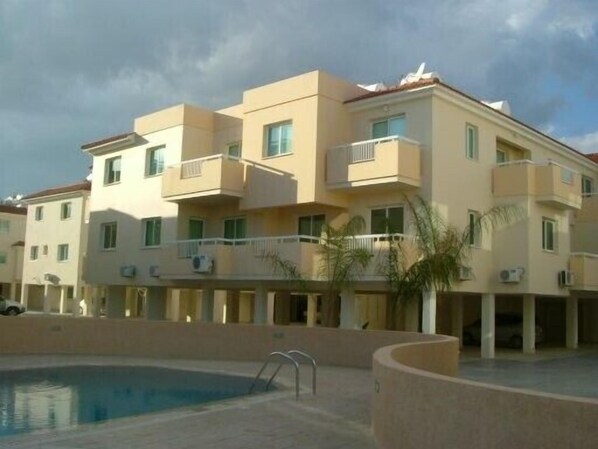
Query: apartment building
[12, 236]
[186, 207]
[56, 241]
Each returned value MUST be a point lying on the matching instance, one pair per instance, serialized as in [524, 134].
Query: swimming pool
[60, 397]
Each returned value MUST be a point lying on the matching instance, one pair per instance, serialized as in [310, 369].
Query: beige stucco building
[55, 245]
[12, 236]
[186, 207]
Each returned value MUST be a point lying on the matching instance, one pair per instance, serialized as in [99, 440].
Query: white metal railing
[262, 246]
[193, 167]
[364, 150]
[582, 254]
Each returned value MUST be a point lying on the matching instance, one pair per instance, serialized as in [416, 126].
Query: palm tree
[434, 258]
[342, 261]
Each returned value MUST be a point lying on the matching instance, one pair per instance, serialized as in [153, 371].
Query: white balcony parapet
[262, 246]
[192, 167]
[588, 255]
[365, 150]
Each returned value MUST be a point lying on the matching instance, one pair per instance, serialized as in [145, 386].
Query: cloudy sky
[74, 71]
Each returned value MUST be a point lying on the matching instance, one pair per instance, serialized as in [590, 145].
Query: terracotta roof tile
[5, 208]
[593, 157]
[86, 185]
[105, 141]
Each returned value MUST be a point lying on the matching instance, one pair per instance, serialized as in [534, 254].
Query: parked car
[10, 307]
[508, 330]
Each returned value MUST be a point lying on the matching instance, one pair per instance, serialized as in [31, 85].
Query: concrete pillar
[260, 308]
[270, 308]
[155, 303]
[488, 326]
[411, 307]
[47, 299]
[529, 324]
[220, 306]
[348, 309]
[312, 309]
[175, 304]
[116, 301]
[96, 301]
[25, 294]
[457, 318]
[63, 294]
[572, 322]
[282, 308]
[207, 305]
[13, 291]
[232, 306]
[196, 297]
[429, 312]
[75, 301]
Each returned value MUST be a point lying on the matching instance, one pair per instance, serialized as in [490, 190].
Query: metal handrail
[314, 366]
[287, 357]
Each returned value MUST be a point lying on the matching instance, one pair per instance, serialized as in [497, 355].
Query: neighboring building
[185, 207]
[12, 234]
[56, 240]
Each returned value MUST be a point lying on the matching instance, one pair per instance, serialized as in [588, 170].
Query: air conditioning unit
[566, 278]
[510, 275]
[202, 264]
[154, 271]
[465, 273]
[127, 271]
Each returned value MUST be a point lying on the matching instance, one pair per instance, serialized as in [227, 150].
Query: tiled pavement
[337, 417]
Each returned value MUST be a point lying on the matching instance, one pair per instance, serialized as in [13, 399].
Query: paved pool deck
[338, 416]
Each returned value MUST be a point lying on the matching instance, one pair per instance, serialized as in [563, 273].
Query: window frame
[3, 257]
[39, 213]
[475, 237]
[149, 160]
[196, 220]
[62, 252]
[109, 168]
[386, 221]
[387, 120]
[472, 148]
[235, 221]
[587, 179]
[66, 210]
[280, 126]
[312, 225]
[34, 252]
[506, 156]
[113, 237]
[553, 233]
[231, 145]
[145, 222]
[4, 226]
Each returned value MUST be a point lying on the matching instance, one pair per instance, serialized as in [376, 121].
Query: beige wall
[12, 270]
[416, 404]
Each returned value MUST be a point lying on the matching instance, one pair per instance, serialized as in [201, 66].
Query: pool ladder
[293, 357]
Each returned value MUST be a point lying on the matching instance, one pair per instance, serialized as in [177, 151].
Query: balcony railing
[212, 176]
[392, 161]
[585, 271]
[551, 183]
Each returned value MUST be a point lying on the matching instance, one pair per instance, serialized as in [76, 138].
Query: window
[34, 253]
[548, 234]
[234, 149]
[471, 142]
[4, 226]
[280, 139]
[388, 220]
[311, 225]
[394, 126]
[63, 252]
[2, 257]
[112, 170]
[474, 230]
[235, 228]
[195, 229]
[108, 235]
[155, 161]
[152, 231]
[501, 156]
[587, 186]
[45, 250]
[567, 175]
[65, 211]
[39, 213]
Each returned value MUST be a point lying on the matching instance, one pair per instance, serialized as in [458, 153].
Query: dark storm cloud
[74, 71]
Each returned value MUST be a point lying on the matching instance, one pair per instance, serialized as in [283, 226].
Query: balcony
[551, 183]
[247, 259]
[208, 179]
[589, 209]
[585, 271]
[388, 162]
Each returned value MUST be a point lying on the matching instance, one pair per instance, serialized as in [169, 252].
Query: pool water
[60, 397]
